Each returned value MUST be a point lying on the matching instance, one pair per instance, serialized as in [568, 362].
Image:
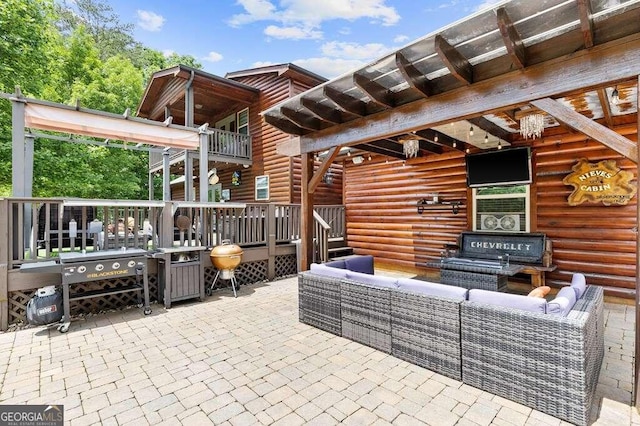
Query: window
[215, 192]
[501, 209]
[262, 188]
[243, 122]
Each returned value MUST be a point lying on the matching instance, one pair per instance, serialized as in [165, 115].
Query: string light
[499, 145]
[435, 138]
[615, 96]
[471, 131]
[454, 144]
[486, 138]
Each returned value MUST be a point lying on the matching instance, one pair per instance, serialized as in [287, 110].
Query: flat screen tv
[503, 167]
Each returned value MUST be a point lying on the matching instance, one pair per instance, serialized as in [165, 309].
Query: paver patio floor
[249, 361]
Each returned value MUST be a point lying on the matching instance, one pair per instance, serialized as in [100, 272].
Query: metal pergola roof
[506, 38]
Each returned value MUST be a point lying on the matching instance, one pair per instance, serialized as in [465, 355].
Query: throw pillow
[540, 291]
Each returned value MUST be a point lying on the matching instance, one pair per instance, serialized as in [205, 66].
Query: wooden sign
[601, 182]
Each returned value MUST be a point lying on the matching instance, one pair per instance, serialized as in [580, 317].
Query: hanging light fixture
[499, 145]
[410, 146]
[486, 138]
[471, 131]
[435, 138]
[532, 125]
[615, 96]
[454, 144]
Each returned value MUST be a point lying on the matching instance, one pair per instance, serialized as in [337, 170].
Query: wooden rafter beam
[346, 102]
[458, 65]
[301, 120]
[511, 39]
[492, 128]
[378, 93]
[381, 147]
[586, 24]
[412, 75]
[441, 139]
[321, 111]
[319, 173]
[592, 129]
[284, 125]
[606, 107]
[488, 96]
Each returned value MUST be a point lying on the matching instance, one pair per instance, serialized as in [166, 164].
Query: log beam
[457, 64]
[491, 128]
[511, 39]
[606, 107]
[284, 125]
[385, 147]
[442, 139]
[585, 125]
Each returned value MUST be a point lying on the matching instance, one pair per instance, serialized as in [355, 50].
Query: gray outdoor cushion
[373, 280]
[516, 301]
[579, 284]
[563, 302]
[433, 289]
[320, 269]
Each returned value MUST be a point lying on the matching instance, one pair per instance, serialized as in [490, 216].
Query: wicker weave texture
[425, 330]
[366, 315]
[319, 302]
[473, 280]
[545, 362]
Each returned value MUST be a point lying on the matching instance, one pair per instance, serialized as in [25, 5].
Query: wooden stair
[338, 248]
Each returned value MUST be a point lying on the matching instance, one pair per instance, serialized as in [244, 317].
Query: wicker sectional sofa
[504, 344]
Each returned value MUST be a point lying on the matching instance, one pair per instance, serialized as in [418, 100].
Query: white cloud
[213, 57]
[311, 13]
[337, 49]
[329, 67]
[292, 33]
[168, 52]
[400, 38]
[150, 21]
[260, 64]
[486, 4]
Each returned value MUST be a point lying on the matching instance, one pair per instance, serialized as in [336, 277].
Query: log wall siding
[593, 239]
[284, 172]
[382, 217]
[597, 240]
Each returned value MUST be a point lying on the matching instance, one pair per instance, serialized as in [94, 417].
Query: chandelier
[410, 147]
[532, 125]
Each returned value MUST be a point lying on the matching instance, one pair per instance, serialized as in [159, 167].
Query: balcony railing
[223, 146]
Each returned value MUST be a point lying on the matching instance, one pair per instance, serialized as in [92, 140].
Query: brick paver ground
[249, 361]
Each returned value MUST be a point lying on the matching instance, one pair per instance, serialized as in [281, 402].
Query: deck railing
[36, 229]
[223, 145]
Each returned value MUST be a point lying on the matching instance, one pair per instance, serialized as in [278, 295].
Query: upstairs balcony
[229, 147]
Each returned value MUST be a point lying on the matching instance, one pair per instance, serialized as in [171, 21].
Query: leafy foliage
[76, 51]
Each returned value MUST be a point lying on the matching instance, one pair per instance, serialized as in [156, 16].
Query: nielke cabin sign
[601, 182]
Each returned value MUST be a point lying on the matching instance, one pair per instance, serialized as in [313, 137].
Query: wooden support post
[4, 265]
[166, 176]
[18, 163]
[306, 226]
[271, 242]
[204, 167]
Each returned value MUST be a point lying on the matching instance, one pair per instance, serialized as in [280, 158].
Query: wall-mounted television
[502, 167]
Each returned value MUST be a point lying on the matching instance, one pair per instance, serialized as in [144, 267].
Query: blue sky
[328, 37]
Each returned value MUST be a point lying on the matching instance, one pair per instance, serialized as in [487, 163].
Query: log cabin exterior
[574, 62]
[231, 106]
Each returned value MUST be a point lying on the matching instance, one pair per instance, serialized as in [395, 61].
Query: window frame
[259, 186]
[527, 205]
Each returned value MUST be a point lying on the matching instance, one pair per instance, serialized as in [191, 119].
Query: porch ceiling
[500, 44]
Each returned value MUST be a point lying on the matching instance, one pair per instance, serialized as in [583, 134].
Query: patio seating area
[250, 361]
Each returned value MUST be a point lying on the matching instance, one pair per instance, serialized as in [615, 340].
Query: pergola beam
[458, 65]
[378, 93]
[511, 38]
[284, 125]
[584, 10]
[606, 107]
[441, 139]
[383, 147]
[346, 102]
[326, 163]
[491, 128]
[412, 75]
[321, 111]
[301, 120]
[585, 125]
[591, 68]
